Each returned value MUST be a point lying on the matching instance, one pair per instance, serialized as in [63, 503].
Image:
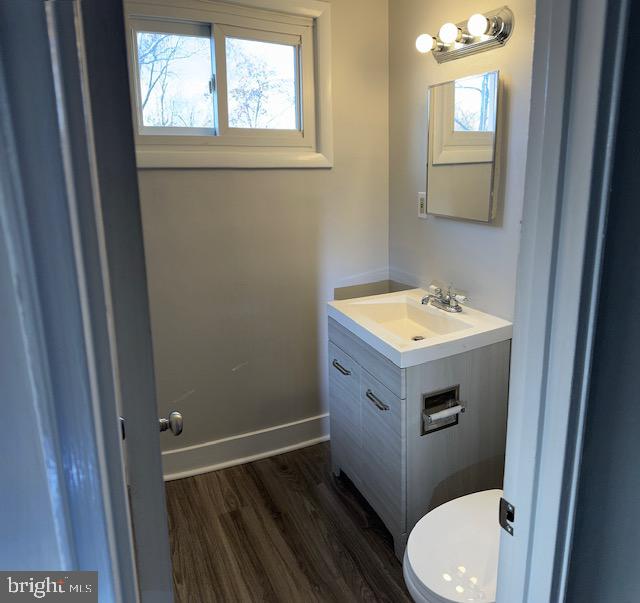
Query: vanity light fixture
[482, 31]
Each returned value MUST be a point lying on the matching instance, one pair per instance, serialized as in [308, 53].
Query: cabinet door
[383, 441]
[345, 419]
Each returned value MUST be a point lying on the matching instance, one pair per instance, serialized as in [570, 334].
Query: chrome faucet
[448, 302]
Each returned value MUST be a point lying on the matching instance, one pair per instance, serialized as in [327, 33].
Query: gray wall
[240, 263]
[478, 258]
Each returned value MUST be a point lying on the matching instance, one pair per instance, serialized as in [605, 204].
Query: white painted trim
[306, 8]
[244, 447]
[296, 13]
[229, 157]
[573, 113]
[61, 332]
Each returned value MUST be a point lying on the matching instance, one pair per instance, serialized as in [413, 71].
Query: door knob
[174, 423]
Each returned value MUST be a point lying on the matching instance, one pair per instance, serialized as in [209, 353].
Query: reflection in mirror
[475, 103]
[461, 146]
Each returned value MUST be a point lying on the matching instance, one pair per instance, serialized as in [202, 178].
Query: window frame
[304, 25]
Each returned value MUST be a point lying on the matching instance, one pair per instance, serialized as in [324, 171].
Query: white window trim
[311, 148]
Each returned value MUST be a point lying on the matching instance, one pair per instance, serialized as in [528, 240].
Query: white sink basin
[407, 318]
[408, 332]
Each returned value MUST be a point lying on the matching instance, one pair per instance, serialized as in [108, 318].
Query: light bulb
[477, 25]
[449, 33]
[425, 43]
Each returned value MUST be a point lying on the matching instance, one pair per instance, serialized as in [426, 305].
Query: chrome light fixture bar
[481, 32]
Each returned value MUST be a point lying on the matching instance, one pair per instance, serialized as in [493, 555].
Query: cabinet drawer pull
[341, 368]
[379, 403]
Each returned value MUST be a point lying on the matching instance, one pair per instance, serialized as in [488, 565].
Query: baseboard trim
[244, 447]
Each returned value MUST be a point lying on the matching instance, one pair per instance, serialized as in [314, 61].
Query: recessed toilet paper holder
[441, 409]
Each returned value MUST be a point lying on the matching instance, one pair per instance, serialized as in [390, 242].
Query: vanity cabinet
[378, 437]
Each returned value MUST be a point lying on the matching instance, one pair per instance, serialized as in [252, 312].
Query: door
[75, 270]
[383, 449]
[104, 49]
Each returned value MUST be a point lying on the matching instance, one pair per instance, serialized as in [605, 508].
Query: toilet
[452, 552]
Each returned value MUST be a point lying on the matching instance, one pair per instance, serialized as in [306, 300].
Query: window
[262, 85]
[174, 79]
[219, 85]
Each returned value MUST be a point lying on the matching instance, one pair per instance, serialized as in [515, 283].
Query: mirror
[461, 147]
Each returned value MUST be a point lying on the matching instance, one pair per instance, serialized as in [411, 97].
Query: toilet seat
[452, 552]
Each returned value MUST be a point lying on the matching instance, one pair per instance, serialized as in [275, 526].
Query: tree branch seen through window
[261, 82]
[174, 75]
[475, 99]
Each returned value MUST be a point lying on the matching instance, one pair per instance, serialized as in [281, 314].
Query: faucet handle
[435, 290]
[452, 294]
[456, 298]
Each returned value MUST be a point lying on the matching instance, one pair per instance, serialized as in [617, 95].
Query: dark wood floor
[279, 529]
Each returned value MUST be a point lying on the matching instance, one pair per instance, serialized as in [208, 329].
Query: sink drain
[417, 338]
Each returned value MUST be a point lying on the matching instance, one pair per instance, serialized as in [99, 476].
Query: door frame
[50, 230]
[578, 60]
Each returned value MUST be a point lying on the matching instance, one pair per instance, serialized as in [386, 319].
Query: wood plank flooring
[280, 529]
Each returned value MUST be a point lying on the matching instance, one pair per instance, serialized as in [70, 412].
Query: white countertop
[388, 322]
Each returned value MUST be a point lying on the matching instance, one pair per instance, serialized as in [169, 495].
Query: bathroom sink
[407, 318]
[408, 332]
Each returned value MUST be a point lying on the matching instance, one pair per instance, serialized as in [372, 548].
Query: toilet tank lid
[453, 550]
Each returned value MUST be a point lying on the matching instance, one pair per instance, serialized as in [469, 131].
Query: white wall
[480, 259]
[241, 262]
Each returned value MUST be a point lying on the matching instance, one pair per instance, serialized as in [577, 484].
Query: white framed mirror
[461, 147]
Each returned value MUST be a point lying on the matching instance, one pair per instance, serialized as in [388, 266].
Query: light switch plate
[422, 205]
